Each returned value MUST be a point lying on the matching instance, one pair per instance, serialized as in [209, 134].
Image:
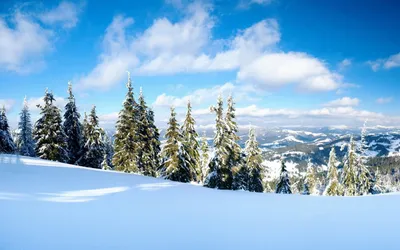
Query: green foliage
[204, 159]
[190, 141]
[253, 163]
[48, 132]
[125, 143]
[333, 188]
[283, 186]
[350, 172]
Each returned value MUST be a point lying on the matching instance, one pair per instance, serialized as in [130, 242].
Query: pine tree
[253, 163]
[204, 158]
[349, 172]
[363, 177]
[7, 144]
[93, 149]
[379, 186]
[72, 128]
[48, 132]
[155, 140]
[176, 162]
[25, 142]
[145, 135]
[104, 163]
[219, 174]
[310, 181]
[333, 188]
[283, 185]
[108, 149]
[125, 146]
[190, 139]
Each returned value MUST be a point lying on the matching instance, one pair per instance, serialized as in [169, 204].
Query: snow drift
[49, 205]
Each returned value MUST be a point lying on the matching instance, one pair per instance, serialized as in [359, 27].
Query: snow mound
[49, 205]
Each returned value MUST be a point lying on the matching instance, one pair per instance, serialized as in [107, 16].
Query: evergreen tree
[93, 149]
[204, 158]
[190, 139]
[283, 185]
[108, 149]
[104, 163]
[176, 162]
[253, 163]
[349, 171]
[219, 174]
[25, 142]
[155, 140]
[145, 135]
[310, 181]
[72, 128]
[125, 146]
[363, 176]
[333, 188]
[48, 132]
[379, 186]
[7, 144]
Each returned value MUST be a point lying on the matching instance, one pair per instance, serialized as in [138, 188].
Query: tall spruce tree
[283, 185]
[125, 143]
[349, 176]
[176, 162]
[155, 140]
[363, 177]
[7, 144]
[190, 139]
[93, 149]
[333, 188]
[72, 128]
[25, 142]
[48, 132]
[204, 157]
[310, 181]
[219, 175]
[145, 135]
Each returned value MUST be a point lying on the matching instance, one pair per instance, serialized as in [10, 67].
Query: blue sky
[287, 63]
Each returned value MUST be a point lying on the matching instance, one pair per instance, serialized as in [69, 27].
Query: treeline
[136, 148]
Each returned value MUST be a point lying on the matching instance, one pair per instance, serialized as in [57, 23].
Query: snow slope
[47, 205]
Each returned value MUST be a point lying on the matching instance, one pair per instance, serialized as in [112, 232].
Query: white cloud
[245, 4]
[392, 61]
[33, 102]
[384, 100]
[25, 40]
[115, 60]
[23, 43]
[344, 101]
[278, 69]
[196, 97]
[65, 14]
[344, 64]
[8, 104]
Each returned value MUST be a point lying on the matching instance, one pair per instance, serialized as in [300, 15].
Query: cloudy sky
[286, 62]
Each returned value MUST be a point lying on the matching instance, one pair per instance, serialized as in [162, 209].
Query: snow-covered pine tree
[104, 163]
[155, 140]
[349, 176]
[108, 148]
[175, 159]
[190, 139]
[145, 152]
[72, 128]
[25, 142]
[363, 177]
[204, 157]
[125, 146]
[334, 187]
[253, 163]
[48, 132]
[7, 144]
[93, 149]
[310, 181]
[283, 185]
[379, 186]
[219, 174]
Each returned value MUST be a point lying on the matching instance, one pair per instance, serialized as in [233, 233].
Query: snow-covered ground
[47, 205]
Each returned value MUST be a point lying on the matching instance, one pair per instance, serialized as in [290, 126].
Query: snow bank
[48, 205]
